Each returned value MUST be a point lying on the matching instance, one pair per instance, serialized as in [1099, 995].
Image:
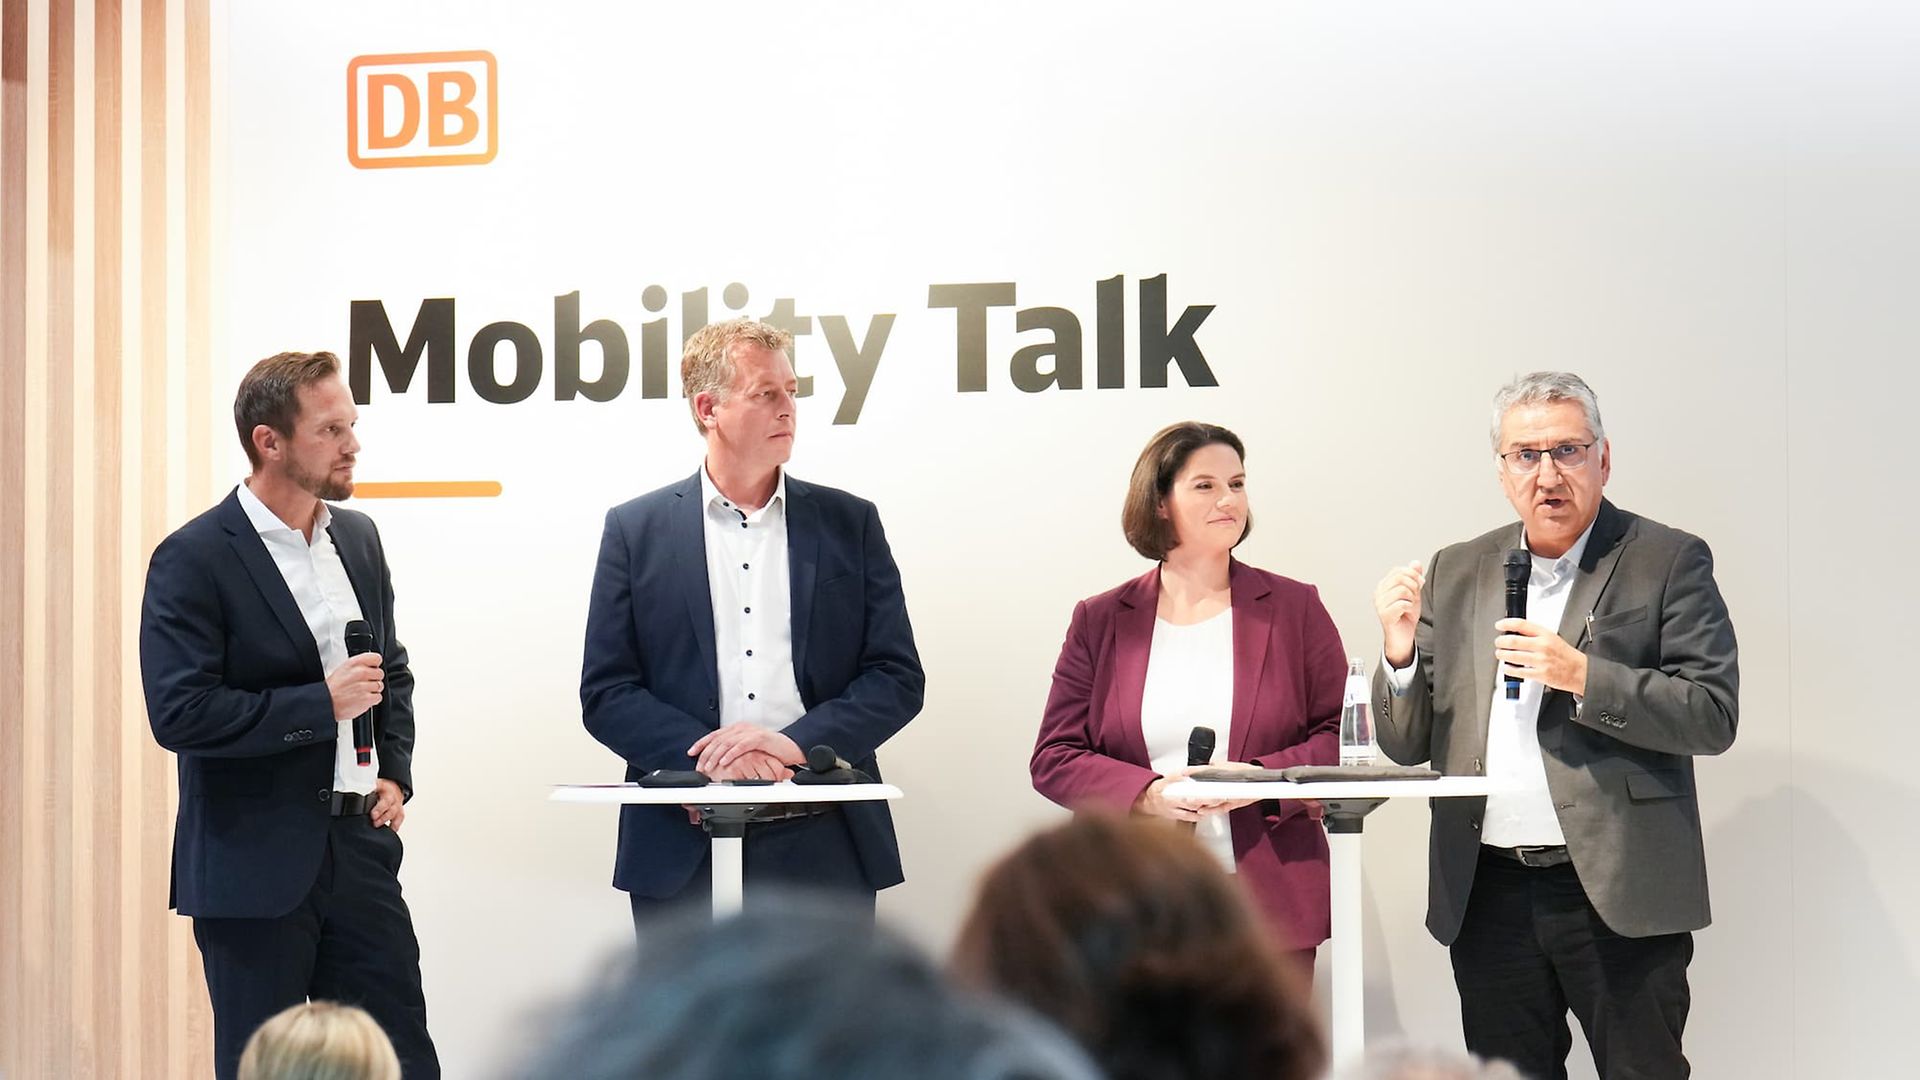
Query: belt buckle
[1527, 854]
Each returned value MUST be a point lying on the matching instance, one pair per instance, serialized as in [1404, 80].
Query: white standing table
[1347, 803]
[725, 812]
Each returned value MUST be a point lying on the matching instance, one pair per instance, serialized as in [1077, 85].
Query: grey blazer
[1663, 684]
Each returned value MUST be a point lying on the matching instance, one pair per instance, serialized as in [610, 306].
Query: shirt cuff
[1398, 679]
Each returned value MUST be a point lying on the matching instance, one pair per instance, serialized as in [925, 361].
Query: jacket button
[325, 793]
[1476, 826]
[712, 705]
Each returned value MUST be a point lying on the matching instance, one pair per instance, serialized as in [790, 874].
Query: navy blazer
[235, 689]
[649, 680]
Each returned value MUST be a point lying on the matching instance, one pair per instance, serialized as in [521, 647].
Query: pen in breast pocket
[1589, 627]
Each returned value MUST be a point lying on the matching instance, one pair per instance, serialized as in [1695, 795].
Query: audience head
[791, 990]
[1125, 932]
[319, 1040]
[1404, 1062]
[1189, 477]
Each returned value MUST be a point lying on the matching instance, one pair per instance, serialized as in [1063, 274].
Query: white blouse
[1190, 684]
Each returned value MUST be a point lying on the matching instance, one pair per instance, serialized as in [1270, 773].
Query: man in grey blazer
[1577, 887]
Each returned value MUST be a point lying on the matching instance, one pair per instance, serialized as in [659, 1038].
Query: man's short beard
[322, 485]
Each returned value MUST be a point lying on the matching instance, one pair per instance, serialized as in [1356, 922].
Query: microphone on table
[1519, 568]
[824, 766]
[360, 640]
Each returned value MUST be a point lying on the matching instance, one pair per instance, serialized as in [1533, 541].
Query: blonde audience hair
[320, 1040]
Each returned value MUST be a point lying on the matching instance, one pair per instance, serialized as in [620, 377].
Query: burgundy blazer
[1289, 672]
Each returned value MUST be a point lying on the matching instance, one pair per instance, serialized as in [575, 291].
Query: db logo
[409, 109]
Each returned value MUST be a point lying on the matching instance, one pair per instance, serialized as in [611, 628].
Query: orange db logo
[410, 109]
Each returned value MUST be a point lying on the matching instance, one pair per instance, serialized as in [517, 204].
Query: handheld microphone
[1519, 568]
[1200, 746]
[360, 640]
[824, 766]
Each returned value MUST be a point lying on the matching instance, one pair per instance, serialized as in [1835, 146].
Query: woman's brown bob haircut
[1125, 932]
[1150, 533]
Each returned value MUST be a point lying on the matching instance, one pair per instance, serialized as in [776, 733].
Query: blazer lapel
[260, 566]
[803, 564]
[689, 546]
[360, 573]
[1597, 564]
[1489, 607]
[1252, 628]
[1132, 642]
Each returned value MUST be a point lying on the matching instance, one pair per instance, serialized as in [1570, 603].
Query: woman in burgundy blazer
[1187, 509]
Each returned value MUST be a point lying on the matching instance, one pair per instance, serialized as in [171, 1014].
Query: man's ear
[704, 403]
[266, 442]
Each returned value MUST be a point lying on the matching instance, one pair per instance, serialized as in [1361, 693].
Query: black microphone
[1519, 568]
[1200, 746]
[360, 640]
[824, 766]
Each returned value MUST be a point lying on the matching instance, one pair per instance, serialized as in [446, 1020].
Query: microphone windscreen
[822, 759]
[359, 637]
[1200, 746]
[1519, 565]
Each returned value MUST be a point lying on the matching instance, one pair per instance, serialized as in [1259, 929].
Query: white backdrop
[1393, 207]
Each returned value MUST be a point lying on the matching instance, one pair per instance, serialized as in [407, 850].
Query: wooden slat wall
[105, 337]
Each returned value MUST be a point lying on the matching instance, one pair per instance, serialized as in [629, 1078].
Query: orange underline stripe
[428, 489]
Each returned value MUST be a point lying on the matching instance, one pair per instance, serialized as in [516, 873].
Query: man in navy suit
[739, 618]
[286, 850]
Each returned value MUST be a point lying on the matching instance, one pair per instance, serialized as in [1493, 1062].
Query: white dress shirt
[1190, 684]
[321, 589]
[1523, 815]
[751, 588]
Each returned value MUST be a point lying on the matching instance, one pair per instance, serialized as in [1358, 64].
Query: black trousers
[1532, 948]
[351, 940]
[813, 853]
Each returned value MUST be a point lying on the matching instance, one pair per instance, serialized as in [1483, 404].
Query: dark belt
[1539, 857]
[347, 803]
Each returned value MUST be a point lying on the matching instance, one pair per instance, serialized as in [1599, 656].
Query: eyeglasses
[1565, 457]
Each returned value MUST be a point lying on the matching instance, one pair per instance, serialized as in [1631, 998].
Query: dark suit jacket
[1288, 676]
[649, 682]
[1663, 683]
[235, 689]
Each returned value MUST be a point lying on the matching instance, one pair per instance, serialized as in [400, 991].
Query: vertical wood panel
[98, 244]
[13, 506]
[155, 774]
[57, 528]
[199, 121]
[105, 769]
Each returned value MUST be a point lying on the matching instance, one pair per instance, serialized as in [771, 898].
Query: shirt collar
[266, 521]
[1553, 570]
[711, 497]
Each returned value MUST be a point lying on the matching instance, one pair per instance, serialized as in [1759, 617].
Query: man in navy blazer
[739, 618]
[286, 850]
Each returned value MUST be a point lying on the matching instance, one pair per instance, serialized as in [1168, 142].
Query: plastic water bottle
[1356, 720]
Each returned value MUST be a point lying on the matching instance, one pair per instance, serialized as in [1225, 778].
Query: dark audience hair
[270, 393]
[1126, 933]
[794, 988]
[1149, 531]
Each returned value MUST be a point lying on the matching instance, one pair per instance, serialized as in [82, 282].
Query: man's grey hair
[1541, 387]
[1403, 1061]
